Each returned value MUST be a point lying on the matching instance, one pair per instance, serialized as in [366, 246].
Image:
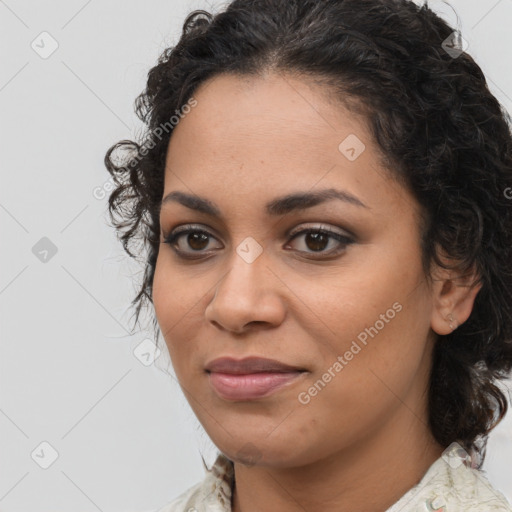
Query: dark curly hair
[441, 133]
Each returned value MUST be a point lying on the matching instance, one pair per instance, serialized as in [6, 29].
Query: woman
[323, 190]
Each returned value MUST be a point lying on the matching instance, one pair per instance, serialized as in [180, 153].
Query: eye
[316, 239]
[197, 239]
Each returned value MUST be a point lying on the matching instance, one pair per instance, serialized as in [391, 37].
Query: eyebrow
[279, 206]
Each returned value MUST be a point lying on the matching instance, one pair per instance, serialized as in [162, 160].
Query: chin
[267, 453]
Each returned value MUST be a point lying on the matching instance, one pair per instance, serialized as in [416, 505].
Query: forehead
[262, 119]
[265, 135]
[280, 110]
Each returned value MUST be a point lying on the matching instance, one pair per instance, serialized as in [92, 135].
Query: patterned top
[451, 484]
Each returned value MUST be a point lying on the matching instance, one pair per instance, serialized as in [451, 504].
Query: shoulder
[453, 485]
[213, 493]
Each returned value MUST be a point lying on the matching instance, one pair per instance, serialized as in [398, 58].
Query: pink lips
[249, 378]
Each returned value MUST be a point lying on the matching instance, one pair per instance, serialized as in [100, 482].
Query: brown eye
[317, 240]
[197, 240]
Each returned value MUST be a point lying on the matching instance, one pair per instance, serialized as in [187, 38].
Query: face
[345, 305]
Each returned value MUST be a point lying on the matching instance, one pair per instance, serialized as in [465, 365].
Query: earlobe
[453, 323]
[453, 297]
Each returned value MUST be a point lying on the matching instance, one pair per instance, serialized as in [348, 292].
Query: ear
[453, 296]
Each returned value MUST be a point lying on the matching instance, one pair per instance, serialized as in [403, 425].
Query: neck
[369, 476]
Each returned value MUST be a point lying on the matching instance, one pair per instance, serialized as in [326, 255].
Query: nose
[249, 295]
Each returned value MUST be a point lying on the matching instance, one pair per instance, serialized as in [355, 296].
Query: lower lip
[250, 386]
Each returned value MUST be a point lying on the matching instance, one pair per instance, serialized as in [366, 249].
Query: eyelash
[185, 230]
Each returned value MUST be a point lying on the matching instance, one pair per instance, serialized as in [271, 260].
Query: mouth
[249, 365]
[250, 378]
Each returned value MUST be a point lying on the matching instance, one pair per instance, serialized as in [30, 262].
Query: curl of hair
[441, 133]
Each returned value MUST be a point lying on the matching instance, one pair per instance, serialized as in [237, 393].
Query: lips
[249, 365]
[250, 378]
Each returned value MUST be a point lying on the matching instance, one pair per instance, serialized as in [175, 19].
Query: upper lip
[249, 365]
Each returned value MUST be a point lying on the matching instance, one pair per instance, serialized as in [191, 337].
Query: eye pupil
[193, 238]
[316, 237]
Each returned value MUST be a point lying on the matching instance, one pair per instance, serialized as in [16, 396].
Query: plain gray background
[122, 435]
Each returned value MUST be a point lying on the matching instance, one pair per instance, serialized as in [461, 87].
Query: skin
[363, 440]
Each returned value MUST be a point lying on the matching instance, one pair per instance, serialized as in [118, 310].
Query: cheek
[370, 302]
[162, 299]
[378, 322]
[366, 390]
[174, 294]
[171, 305]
